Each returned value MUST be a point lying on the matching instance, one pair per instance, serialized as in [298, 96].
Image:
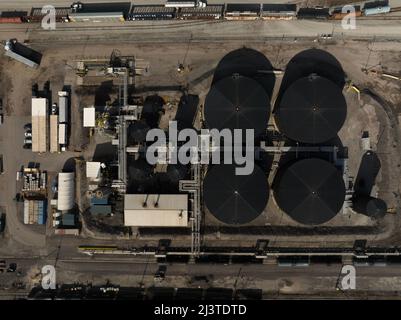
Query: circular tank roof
[310, 191]
[235, 199]
[237, 103]
[312, 110]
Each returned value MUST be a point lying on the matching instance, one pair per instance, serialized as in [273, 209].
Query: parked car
[28, 126]
[28, 140]
[28, 134]
[27, 146]
[54, 108]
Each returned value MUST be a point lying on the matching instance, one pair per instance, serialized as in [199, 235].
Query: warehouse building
[156, 210]
[39, 124]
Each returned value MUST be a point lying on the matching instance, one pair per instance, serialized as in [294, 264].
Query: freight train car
[152, 12]
[242, 11]
[278, 11]
[37, 15]
[376, 7]
[313, 13]
[211, 12]
[338, 14]
[99, 12]
[13, 16]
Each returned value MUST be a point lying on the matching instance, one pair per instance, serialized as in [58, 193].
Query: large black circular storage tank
[310, 191]
[372, 207]
[237, 102]
[312, 110]
[235, 199]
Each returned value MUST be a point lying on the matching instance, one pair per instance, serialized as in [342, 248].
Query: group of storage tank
[310, 110]
[237, 100]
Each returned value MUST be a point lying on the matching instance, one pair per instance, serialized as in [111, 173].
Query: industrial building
[156, 210]
[40, 117]
[66, 191]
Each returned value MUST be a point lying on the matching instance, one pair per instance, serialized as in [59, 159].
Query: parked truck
[22, 53]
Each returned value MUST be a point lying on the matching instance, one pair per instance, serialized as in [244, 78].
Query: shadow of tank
[140, 175]
[249, 63]
[311, 61]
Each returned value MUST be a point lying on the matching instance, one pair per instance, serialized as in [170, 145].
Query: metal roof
[39, 124]
[66, 193]
[89, 117]
[235, 199]
[310, 191]
[92, 169]
[237, 102]
[312, 110]
[156, 210]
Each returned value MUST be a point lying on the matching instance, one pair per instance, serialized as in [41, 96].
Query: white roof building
[156, 210]
[93, 170]
[39, 124]
[66, 192]
[89, 117]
